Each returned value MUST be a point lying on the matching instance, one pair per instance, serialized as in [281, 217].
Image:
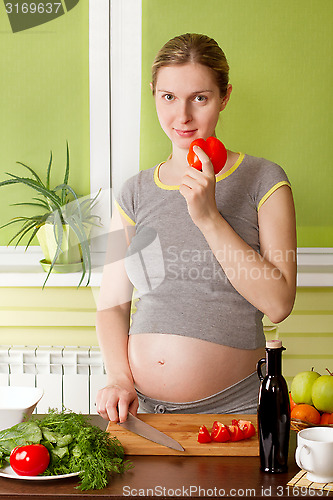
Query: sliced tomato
[204, 436]
[220, 432]
[236, 434]
[247, 428]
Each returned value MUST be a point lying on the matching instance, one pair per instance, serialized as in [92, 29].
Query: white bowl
[16, 403]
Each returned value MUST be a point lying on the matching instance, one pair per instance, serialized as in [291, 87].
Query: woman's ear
[151, 86]
[226, 98]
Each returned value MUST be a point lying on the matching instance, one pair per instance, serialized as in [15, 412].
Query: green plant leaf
[59, 238]
[32, 171]
[41, 222]
[23, 233]
[48, 174]
[82, 241]
[75, 202]
[28, 226]
[89, 220]
[8, 181]
[47, 193]
[63, 193]
[86, 206]
[29, 205]
[76, 224]
[35, 231]
[46, 204]
[12, 221]
[21, 219]
[66, 187]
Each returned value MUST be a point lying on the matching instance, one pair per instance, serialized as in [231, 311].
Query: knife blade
[137, 426]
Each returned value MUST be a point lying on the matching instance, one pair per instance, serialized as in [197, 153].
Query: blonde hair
[193, 48]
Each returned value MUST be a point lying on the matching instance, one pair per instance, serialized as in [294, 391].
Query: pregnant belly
[175, 368]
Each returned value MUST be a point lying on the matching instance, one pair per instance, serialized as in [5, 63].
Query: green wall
[53, 316]
[280, 54]
[44, 88]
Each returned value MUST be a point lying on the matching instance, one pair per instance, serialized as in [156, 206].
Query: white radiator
[70, 376]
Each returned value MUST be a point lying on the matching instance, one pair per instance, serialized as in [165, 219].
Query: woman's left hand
[198, 189]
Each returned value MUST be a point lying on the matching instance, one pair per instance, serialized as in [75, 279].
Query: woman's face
[188, 102]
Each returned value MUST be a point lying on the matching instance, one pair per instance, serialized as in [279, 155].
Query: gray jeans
[241, 397]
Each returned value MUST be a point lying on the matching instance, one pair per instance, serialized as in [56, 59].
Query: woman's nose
[185, 112]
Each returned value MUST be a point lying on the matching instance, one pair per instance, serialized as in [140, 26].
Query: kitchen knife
[139, 427]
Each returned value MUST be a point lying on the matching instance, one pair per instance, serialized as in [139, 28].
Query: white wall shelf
[22, 269]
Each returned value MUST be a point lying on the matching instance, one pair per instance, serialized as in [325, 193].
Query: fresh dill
[74, 446]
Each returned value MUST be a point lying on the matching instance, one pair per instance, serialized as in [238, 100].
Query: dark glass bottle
[273, 411]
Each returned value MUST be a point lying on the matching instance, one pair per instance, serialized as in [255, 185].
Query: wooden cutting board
[184, 428]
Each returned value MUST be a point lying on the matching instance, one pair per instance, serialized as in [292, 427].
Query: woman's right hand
[114, 401]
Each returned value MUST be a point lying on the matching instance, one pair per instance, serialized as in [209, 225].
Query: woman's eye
[168, 97]
[200, 98]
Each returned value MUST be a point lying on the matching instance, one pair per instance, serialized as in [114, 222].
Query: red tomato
[236, 434]
[220, 432]
[204, 436]
[213, 148]
[29, 460]
[246, 427]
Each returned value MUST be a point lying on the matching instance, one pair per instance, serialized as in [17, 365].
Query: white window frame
[114, 26]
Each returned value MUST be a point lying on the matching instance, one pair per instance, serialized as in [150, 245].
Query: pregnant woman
[219, 254]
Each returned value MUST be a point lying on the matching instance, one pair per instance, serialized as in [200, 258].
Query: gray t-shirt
[181, 287]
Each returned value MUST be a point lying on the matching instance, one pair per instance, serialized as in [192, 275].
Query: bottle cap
[274, 344]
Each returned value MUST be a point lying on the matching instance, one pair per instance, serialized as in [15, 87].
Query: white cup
[314, 453]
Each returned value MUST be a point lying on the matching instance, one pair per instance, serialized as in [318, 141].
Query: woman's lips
[185, 133]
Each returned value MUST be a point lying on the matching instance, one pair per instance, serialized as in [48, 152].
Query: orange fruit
[326, 418]
[307, 413]
[292, 402]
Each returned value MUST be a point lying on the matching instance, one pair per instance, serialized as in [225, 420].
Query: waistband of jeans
[245, 389]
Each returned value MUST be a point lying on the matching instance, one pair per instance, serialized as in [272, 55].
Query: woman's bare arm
[267, 280]
[112, 325]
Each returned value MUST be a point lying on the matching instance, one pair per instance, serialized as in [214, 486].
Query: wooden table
[172, 477]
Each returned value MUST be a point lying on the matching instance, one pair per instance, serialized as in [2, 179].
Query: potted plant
[62, 223]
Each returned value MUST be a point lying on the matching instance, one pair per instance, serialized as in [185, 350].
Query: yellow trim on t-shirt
[159, 183]
[223, 175]
[271, 191]
[124, 214]
[219, 177]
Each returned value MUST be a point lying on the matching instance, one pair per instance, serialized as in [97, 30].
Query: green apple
[301, 387]
[322, 393]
